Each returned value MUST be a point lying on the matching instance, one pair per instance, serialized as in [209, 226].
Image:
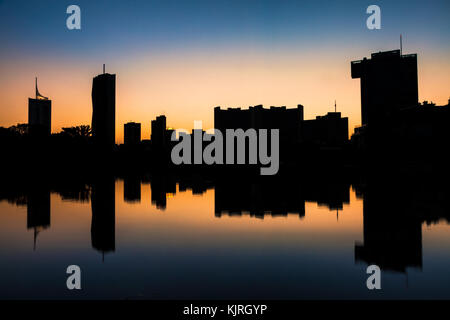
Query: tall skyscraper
[388, 84]
[39, 114]
[104, 108]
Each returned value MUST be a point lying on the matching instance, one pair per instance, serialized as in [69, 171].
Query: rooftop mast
[38, 95]
[401, 45]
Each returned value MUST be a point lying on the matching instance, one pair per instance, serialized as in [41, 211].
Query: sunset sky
[183, 58]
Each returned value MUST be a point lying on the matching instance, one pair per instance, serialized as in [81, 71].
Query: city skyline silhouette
[327, 159]
[119, 127]
[305, 61]
[393, 120]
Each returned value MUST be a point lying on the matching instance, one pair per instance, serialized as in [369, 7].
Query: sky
[183, 58]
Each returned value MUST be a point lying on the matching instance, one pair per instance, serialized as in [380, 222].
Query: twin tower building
[103, 110]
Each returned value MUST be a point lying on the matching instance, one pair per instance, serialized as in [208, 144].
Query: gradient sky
[182, 58]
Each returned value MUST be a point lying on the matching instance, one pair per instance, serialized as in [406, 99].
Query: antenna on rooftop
[401, 45]
[103, 68]
[334, 105]
[38, 95]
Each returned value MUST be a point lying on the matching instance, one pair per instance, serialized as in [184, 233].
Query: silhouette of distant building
[328, 130]
[158, 136]
[39, 114]
[392, 118]
[132, 133]
[422, 125]
[104, 108]
[388, 83]
[287, 120]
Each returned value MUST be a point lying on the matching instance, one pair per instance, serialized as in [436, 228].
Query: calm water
[136, 240]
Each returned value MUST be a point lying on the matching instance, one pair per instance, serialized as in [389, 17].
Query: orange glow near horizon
[188, 88]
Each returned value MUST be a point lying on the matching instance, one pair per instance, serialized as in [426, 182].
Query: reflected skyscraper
[392, 233]
[161, 186]
[104, 108]
[258, 199]
[103, 233]
[38, 211]
[132, 189]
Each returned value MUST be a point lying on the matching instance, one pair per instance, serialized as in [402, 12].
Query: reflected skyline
[391, 236]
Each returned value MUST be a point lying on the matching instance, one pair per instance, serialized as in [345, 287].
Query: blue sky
[126, 26]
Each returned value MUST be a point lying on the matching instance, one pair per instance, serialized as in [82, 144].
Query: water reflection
[132, 189]
[392, 236]
[103, 227]
[392, 215]
[38, 211]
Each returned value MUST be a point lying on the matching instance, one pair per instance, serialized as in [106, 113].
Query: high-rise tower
[40, 114]
[104, 108]
[388, 84]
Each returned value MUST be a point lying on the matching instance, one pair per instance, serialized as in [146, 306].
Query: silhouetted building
[388, 83]
[422, 126]
[328, 130]
[395, 126]
[39, 114]
[103, 227]
[132, 133]
[158, 136]
[104, 109]
[287, 120]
